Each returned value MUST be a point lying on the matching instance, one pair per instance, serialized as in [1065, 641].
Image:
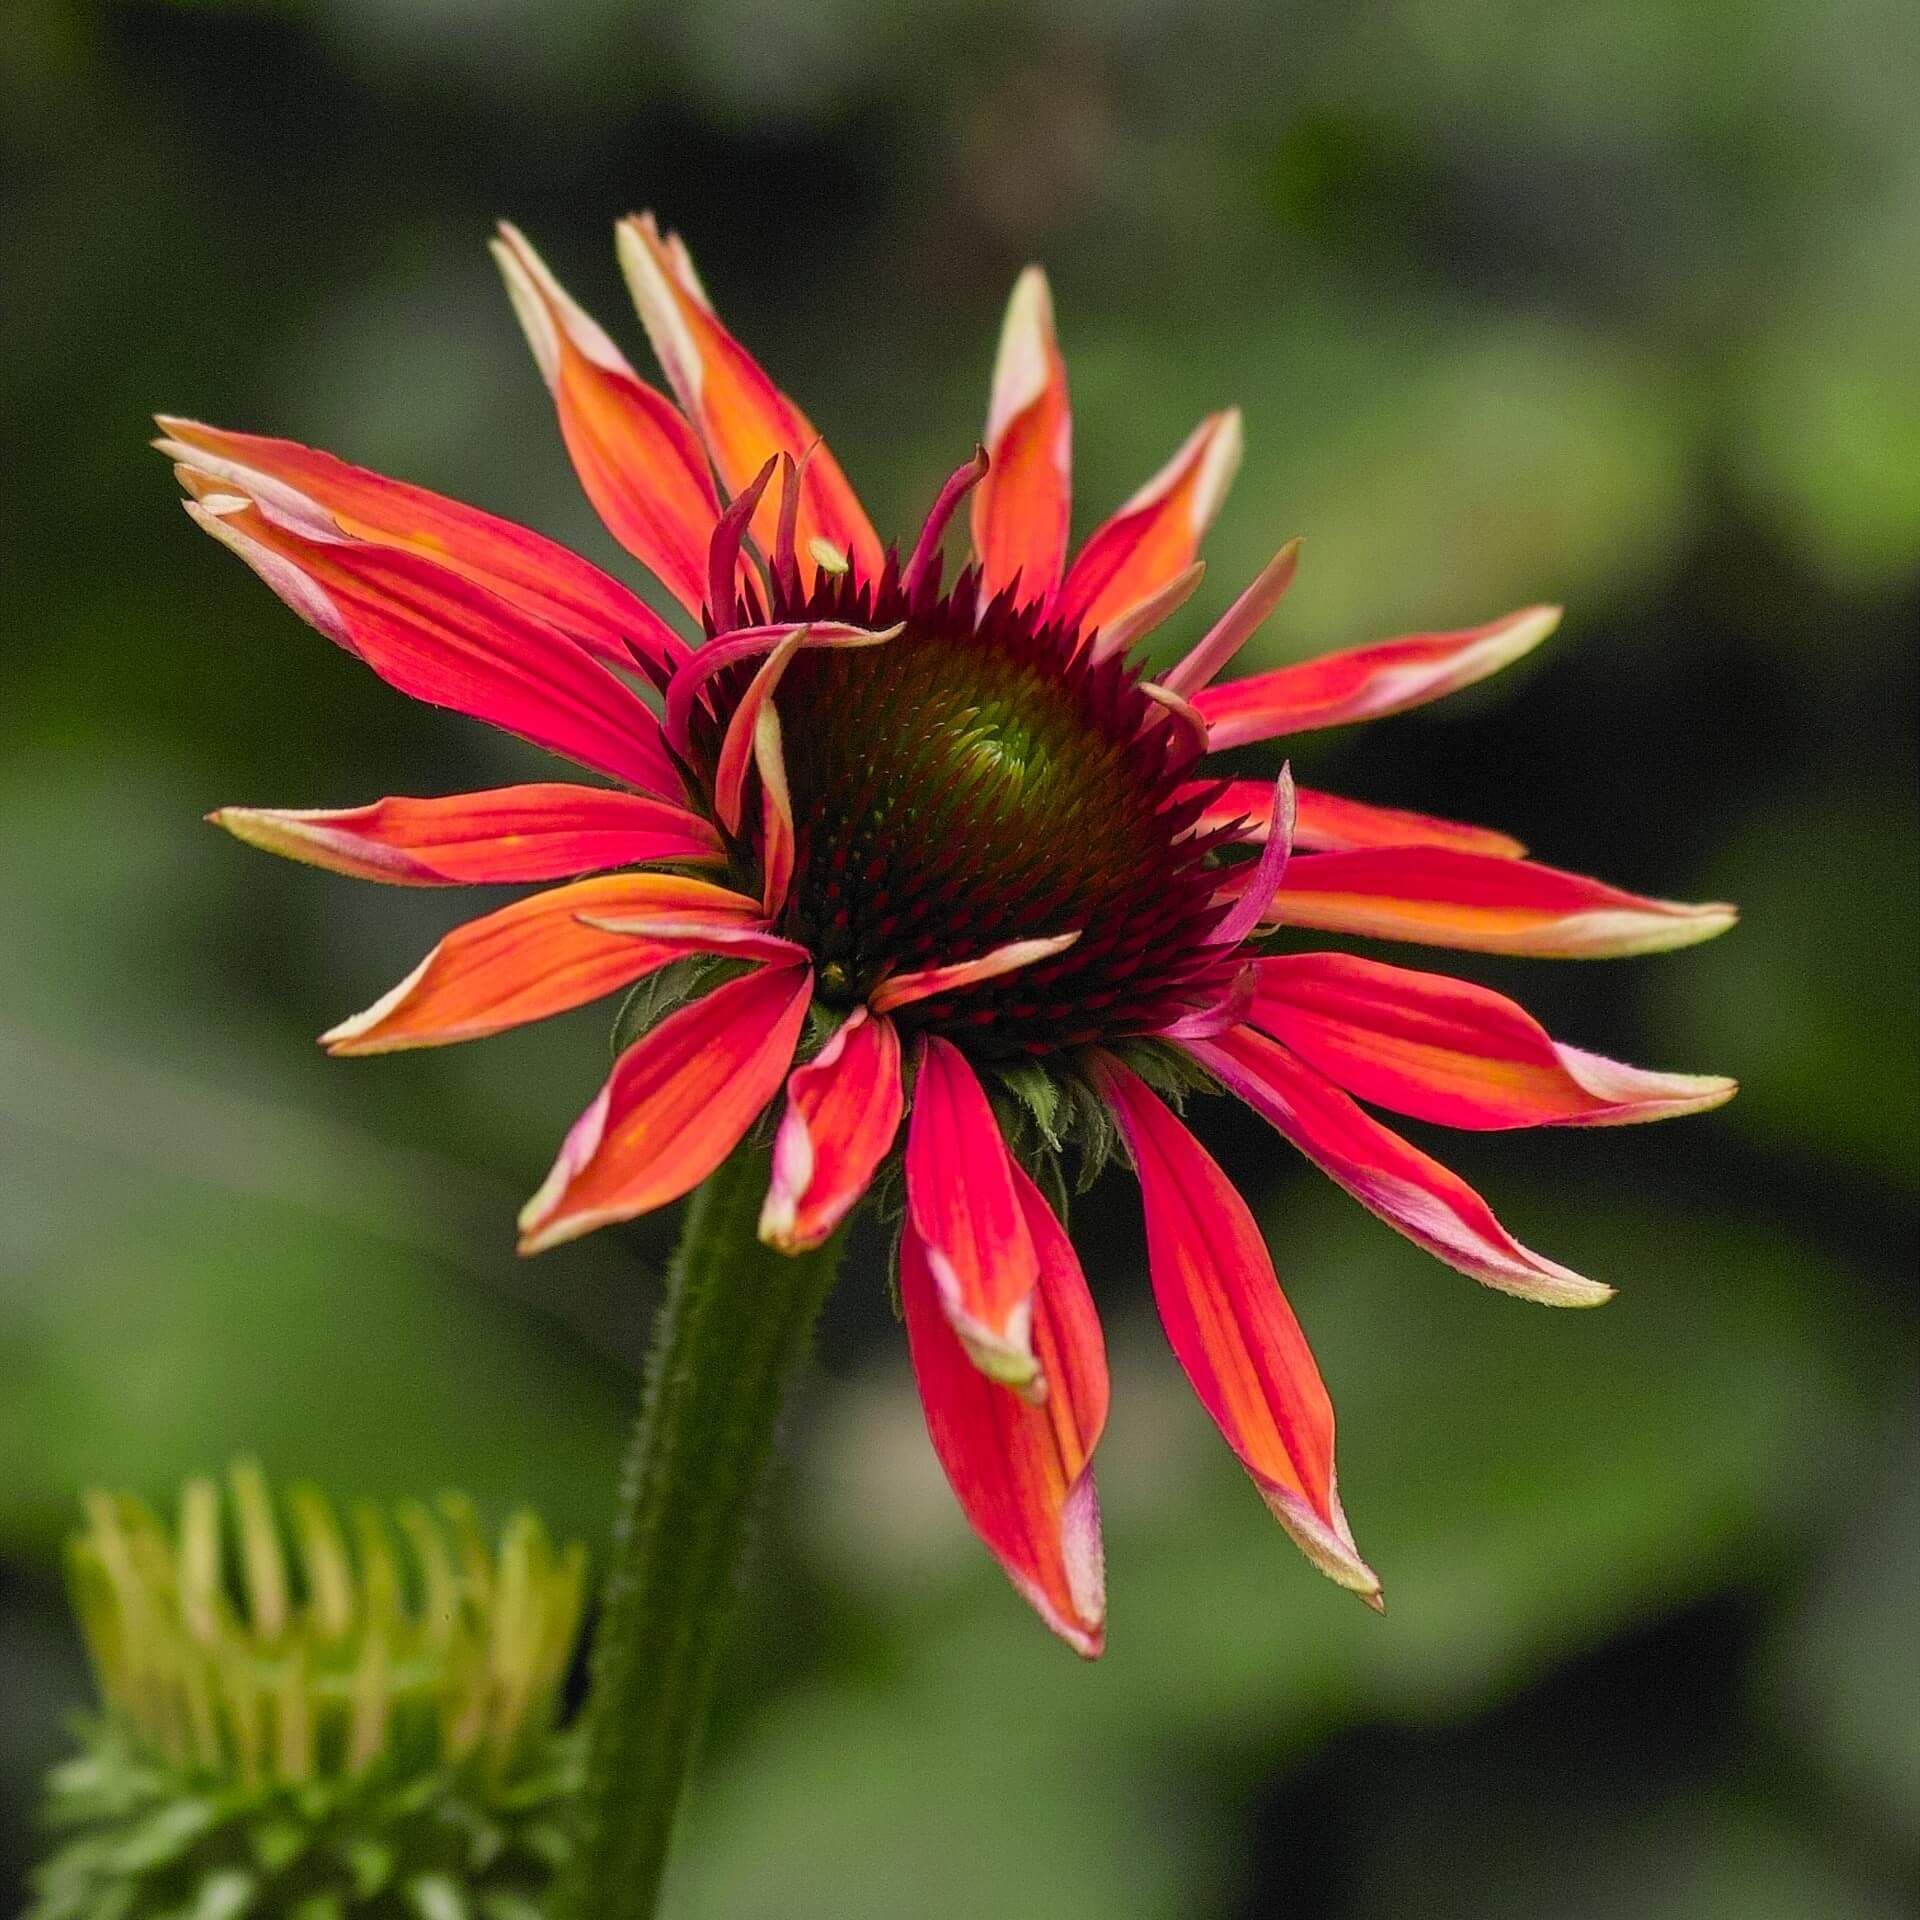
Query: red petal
[677, 1103]
[440, 638]
[1435, 896]
[640, 462]
[1158, 532]
[743, 417]
[1389, 1176]
[1231, 1328]
[1021, 510]
[1454, 1053]
[539, 957]
[1366, 682]
[1327, 822]
[962, 1203]
[533, 573]
[1262, 881]
[843, 1110]
[1023, 1473]
[541, 832]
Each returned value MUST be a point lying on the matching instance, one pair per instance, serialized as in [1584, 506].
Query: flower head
[361, 1721]
[932, 854]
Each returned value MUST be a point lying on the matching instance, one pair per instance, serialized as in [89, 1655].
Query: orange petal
[963, 1207]
[677, 1103]
[1158, 532]
[640, 462]
[1328, 823]
[441, 638]
[1023, 503]
[843, 1111]
[1434, 896]
[1367, 682]
[1452, 1052]
[1023, 1473]
[539, 832]
[539, 957]
[743, 417]
[1231, 1328]
[535, 574]
[1389, 1176]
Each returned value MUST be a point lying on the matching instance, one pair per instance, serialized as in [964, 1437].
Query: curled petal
[677, 1103]
[639, 461]
[903, 989]
[1231, 1328]
[1389, 1176]
[926, 550]
[539, 957]
[1157, 534]
[1451, 1052]
[1435, 896]
[540, 832]
[737, 744]
[1241, 621]
[748, 643]
[963, 1207]
[437, 636]
[1367, 682]
[1023, 1472]
[535, 574]
[723, 556]
[743, 417]
[1256, 896]
[778, 850]
[843, 1110]
[1326, 822]
[1021, 509]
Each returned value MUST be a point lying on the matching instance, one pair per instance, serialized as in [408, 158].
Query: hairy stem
[731, 1336]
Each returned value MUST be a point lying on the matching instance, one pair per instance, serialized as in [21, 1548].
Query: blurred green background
[1612, 303]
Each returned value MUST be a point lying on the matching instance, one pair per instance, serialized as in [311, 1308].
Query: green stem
[731, 1336]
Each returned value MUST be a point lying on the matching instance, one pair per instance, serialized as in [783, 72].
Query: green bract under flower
[313, 1720]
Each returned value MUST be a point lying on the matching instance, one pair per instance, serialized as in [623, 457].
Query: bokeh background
[1611, 302]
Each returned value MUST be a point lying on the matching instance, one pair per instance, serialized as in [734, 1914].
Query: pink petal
[539, 832]
[843, 1111]
[1256, 895]
[1021, 509]
[1241, 621]
[1328, 823]
[1447, 1051]
[678, 1102]
[1412, 1192]
[1435, 896]
[1023, 1472]
[961, 1201]
[533, 573]
[903, 989]
[1367, 682]
[438, 637]
[1231, 1328]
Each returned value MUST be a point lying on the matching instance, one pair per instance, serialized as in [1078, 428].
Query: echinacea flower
[305, 1718]
[930, 863]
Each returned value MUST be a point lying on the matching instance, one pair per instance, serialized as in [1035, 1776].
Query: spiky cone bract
[315, 1721]
[920, 867]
